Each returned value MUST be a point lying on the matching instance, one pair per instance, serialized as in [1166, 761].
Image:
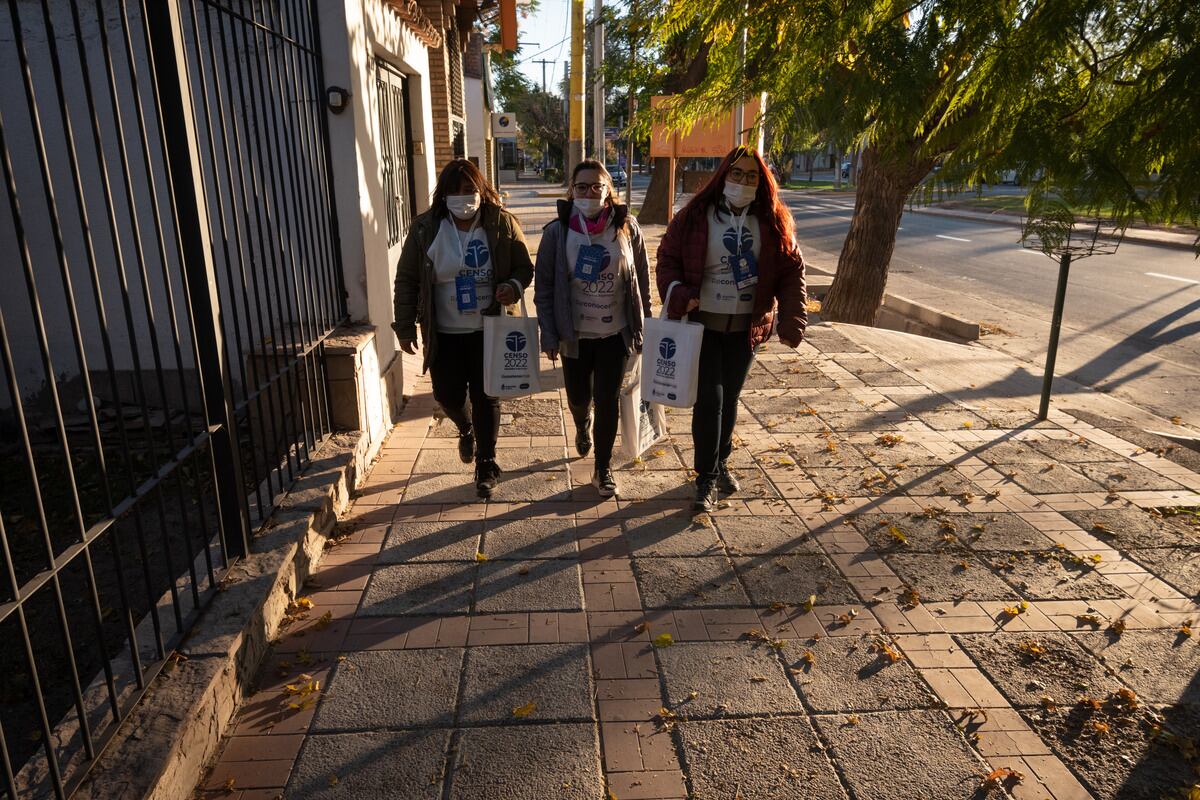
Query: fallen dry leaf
[663, 640]
[480, 557]
[521, 712]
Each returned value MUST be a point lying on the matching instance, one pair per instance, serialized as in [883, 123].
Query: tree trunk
[883, 187]
[811, 164]
[654, 206]
[837, 169]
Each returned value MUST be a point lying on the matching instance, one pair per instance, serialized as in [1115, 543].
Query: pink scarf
[593, 226]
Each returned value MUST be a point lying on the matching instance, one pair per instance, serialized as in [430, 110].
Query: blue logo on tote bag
[515, 341]
[666, 348]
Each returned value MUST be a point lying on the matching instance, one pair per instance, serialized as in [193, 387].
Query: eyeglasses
[748, 177]
[585, 188]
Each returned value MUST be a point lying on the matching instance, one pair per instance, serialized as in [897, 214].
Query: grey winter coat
[552, 284]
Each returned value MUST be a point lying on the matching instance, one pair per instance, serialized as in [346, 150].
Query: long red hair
[767, 196]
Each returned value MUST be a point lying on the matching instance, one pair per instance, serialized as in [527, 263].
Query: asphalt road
[1132, 321]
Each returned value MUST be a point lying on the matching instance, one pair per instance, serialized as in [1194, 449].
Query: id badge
[745, 269]
[590, 262]
[464, 292]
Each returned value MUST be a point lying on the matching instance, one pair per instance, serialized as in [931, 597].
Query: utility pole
[545, 145]
[632, 108]
[575, 136]
[566, 107]
[598, 81]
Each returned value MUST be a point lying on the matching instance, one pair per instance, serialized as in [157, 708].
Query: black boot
[605, 482]
[706, 498]
[487, 473]
[583, 435]
[466, 445]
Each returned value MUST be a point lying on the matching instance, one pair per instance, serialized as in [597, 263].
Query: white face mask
[590, 206]
[739, 196]
[463, 206]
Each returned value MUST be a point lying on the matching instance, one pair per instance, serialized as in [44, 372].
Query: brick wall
[446, 89]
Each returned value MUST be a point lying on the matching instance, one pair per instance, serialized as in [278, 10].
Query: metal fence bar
[124, 182]
[167, 48]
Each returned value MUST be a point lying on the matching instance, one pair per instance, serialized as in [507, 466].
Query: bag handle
[667, 300]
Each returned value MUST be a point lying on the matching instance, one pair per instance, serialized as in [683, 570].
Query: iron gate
[395, 147]
[171, 270]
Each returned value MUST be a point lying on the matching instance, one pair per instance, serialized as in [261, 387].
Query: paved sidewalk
[906, 596]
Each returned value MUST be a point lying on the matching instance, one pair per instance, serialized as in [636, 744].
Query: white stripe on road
[951, 238]
[1171, 277]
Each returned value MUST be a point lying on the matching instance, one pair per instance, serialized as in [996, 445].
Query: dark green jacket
[414, 272]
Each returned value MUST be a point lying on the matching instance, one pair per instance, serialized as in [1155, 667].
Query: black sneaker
[706, 498]
[466, 446]
[583, 438]
[605, 482]
[487, 472]
[727, 482]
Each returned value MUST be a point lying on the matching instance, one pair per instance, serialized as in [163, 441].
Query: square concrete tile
[530, 538]
[1161, 665]
[370, 766]
[1125, 763]
[1002, 531]
[794, 422]
[532, 487]
[901, 755]
[792, 579]
[765, 535]
[1052, 575]
[511, 459]
[556, 678]
[729, 678]
[1073, 451]
[548, 585]
[431, 541]
[1133, 527]
[1064, 672]
[441, 488]
[953, 420]
[932, 482]
[1178, 566]
[655, 484]
[943, 577]
[849, 674]
[1048, 478]
[676, 535]
[851, 481]
[419, 589]
[762, 758]
[533, 762]
[739, 457]
[912, 454]
[702, 582]
[1126, 476]
[921, 534]
[391, 689]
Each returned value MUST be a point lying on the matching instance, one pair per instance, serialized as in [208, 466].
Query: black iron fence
[170, 271]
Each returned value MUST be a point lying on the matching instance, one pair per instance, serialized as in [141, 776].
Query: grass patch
[817, 185]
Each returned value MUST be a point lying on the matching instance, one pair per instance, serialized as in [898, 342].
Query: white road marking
[1031, 252]
[1171, 277]
[951, 238]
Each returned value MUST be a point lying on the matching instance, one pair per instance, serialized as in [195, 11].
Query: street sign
[712, 137]
[504, 126]
[612, 134]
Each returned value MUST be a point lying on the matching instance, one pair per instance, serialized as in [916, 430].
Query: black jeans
[456, 369]
[595, 376]
[725, 360]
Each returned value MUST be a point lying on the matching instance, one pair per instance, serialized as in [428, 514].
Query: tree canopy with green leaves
[1090, 100]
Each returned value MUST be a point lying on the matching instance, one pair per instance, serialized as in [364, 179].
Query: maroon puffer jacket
[681, 257]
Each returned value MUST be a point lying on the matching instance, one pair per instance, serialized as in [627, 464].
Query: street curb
[1175, 241]
[902, 314]
[167, 741]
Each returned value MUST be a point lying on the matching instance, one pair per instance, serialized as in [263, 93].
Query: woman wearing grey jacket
[592, 291]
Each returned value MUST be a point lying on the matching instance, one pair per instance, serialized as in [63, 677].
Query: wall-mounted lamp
[337, 98]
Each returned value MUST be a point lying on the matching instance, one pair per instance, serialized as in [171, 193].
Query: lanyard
[584, 221]
[462, 251]
[741, 225]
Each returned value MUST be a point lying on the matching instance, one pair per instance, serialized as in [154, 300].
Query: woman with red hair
[731, 255]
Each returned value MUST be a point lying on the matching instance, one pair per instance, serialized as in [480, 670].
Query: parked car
[845, 170]
[618, 175]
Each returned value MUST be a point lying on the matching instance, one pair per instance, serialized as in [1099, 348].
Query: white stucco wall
[354, 33]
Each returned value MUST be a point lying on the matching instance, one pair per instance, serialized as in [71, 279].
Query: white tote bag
[671, 359]
[642, 424]
[510, 353]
